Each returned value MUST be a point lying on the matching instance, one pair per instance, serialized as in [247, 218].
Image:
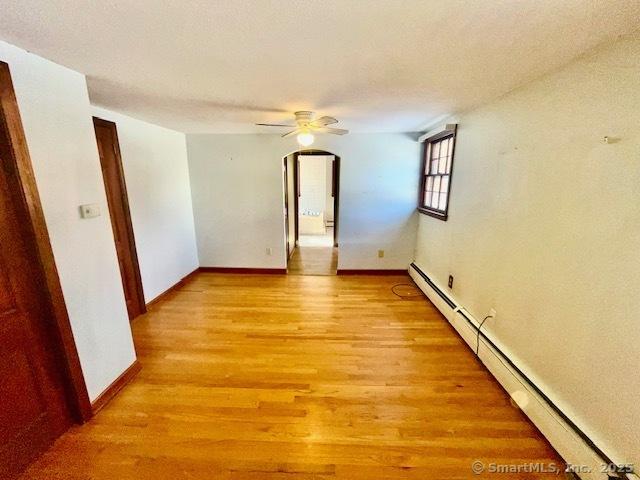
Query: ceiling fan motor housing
[303, 117]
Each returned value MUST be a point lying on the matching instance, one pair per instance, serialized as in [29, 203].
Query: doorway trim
[75, 386]
[131, 251]
[335, 189]
[286, 206]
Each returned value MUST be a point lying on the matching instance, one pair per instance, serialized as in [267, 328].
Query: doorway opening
[312, 199]
[116, 190]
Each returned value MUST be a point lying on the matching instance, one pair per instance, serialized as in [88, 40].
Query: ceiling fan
[306, 126]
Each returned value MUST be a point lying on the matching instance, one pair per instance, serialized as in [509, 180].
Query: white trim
[435, 131]
[562, 437]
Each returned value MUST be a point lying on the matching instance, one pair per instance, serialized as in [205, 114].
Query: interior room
[315, 201]
[319, 240]
[312, 186]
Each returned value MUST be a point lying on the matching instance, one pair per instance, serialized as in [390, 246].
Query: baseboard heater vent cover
[577, 445]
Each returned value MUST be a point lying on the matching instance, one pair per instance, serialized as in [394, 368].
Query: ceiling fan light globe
[305, 139]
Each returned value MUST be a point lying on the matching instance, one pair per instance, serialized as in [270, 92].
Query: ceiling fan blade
[335, 131]
[274, 125]
[322, 121]
[292, 132]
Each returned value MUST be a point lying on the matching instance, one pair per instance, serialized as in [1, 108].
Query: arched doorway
[312, 200]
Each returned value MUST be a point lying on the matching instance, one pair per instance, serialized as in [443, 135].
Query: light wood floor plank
[298, 377]
[313, 261]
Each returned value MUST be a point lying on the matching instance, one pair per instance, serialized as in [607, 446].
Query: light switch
[90, 210]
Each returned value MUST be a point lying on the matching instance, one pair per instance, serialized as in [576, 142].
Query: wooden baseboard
[113, 389]
[372, 272]
[277, 271]
[169, 290]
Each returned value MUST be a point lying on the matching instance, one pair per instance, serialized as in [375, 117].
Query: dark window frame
[449, 132]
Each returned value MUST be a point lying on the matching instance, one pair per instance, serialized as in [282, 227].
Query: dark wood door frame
[75, 387]
[129, 266]
[286, 204]
[296, 195]
[335, 188]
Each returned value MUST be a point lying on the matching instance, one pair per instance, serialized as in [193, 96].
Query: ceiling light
[305, 138]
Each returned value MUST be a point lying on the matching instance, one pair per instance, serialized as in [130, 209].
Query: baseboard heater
[567, 438]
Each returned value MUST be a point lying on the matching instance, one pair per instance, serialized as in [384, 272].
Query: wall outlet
[380, 253]
[450, 281]
[492, 313]
[269, 251]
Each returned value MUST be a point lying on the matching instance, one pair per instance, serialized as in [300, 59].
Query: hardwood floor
[298, 377]
[313, 261]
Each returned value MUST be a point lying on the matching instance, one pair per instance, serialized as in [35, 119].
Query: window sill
[431, 213]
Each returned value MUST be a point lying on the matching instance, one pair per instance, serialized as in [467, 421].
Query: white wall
[313, 183]
[544, 226]
[56, 115]
[378, 191]
[157, 178]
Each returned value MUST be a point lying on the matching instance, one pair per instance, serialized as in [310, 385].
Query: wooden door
[113, 175]
[34, 407]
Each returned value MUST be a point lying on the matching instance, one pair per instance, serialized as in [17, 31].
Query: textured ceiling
[376, 65]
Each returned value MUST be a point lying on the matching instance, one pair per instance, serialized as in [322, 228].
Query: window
[436, 173]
